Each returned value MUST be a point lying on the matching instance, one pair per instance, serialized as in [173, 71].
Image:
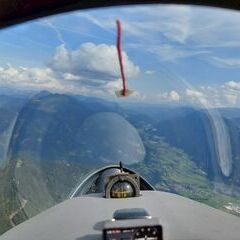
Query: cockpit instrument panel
[131, 224]
[132, 233]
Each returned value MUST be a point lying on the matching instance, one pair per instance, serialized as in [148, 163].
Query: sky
[171, 54]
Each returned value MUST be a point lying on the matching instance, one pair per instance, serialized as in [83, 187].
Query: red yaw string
[120, 56]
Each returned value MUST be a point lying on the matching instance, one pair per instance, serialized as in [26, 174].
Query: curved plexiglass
[60, 118]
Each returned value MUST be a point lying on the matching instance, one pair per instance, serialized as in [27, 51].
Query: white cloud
[225, 62]
[176, 22]
[91, 69]
[172, 21]
[198, 29]
[233, 85]
[71, 77]
[224, 95]
[171, 96]
[231, 99]
[231, 92]
[194, 93]
[149, 72]
[204, 96]
[218, 28]
[197, 97]
[45, 78]
[174, 96]
[94, 20]
[50, 25]
[171, 53]
[23, 75]
[29, 77]
[97, 62]
[180, 24]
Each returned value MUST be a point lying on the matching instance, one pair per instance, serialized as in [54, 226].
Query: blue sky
[178, 54]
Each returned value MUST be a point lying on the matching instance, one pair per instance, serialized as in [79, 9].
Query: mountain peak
[41, 94]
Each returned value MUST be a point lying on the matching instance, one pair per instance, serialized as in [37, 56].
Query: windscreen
[61, 119]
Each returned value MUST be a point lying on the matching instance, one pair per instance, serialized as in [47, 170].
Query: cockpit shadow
[90, 237]
[99, 227]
